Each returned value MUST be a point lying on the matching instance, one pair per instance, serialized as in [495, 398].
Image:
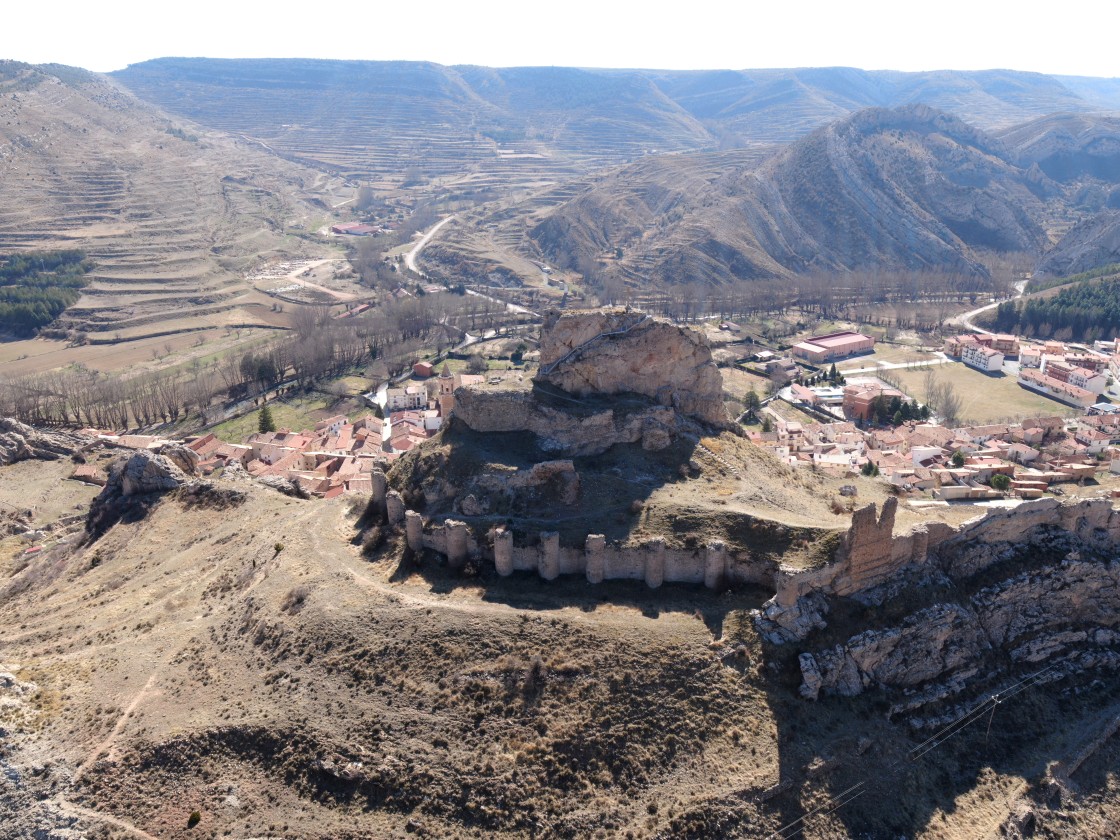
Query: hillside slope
[232, 652]
[1093, 243]
[1068, 147]
[170, 217]
[382, 120]
[910, 188]
[516, 125]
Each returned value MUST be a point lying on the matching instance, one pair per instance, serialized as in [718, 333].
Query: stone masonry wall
[870, 555]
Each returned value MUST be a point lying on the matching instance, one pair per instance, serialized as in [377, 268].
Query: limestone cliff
[612, 351]
[949, 610]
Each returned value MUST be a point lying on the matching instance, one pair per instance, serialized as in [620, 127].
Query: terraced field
[173, 219]
[472, 128]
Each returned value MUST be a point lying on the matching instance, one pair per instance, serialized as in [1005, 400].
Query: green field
[295, 413]
[986, 399]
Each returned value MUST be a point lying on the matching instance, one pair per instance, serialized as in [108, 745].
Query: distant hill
[169, 213]
[520, 125]
[382, 119]
[910, 188]
[1093, 243]
[1067, 147]
[781, 105]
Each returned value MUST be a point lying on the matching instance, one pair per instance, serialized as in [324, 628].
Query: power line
[838, 801]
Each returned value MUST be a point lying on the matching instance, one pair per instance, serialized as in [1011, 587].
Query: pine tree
[752, 402]
[265, 423]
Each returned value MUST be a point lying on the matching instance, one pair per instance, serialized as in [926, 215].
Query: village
[879, 430]
[336, 456]
[847, 425]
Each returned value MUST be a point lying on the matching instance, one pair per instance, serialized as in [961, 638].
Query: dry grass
[986, 399]
[889, 353]
[197, 659]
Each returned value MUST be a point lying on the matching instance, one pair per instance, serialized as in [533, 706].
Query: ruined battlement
[871, 556]
[715, 565]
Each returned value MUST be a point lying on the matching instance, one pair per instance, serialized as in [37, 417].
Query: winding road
[410, 263]
[965, 320]
[410, 257]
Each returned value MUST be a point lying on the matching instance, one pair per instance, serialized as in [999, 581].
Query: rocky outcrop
[19, 442]
[185, 458]
[606, 377]
[135, 484]
[926, 646]
[1036, 584]
[15, 522]
[581, 430]
[284, 485]
[609, 352]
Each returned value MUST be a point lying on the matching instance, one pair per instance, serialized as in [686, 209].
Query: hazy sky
[1074, 38]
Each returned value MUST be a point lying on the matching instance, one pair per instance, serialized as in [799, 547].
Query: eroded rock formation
[135, 484]
[19, 442]
[606, 377]
[575, 431]
[618, 352]
[1035, 584]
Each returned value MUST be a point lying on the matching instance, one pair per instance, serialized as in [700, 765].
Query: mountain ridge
[571, 114]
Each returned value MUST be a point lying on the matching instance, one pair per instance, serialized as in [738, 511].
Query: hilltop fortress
[617, 381]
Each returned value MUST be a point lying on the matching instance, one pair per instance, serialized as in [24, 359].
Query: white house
[982, 358]
[404, 399]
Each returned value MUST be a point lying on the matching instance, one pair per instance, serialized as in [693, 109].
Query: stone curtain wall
[713, 565]
[870, 556]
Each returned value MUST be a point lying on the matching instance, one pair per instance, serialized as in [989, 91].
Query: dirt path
[291, 277]
[110, 740]
[410, 257]
[68, 807]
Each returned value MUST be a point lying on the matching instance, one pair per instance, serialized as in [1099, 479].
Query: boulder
[135, 484]
[146, 472]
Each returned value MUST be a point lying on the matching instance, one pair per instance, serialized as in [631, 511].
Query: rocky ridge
[957, 609]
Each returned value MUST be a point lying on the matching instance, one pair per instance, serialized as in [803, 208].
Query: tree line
[319, 348]
[1086, 311]
[850, 296]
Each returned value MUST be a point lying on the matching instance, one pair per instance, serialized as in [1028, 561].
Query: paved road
[410, 262]
[941, 359]
[965, 320]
